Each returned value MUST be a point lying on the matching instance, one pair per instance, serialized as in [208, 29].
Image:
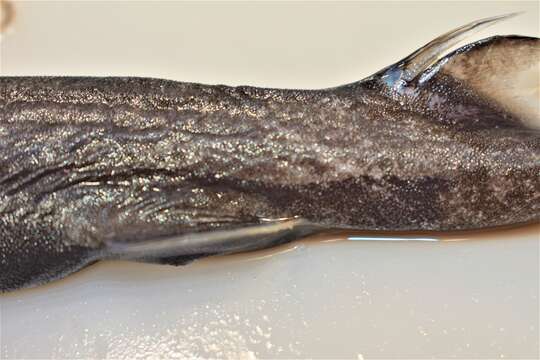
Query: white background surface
[345, 299]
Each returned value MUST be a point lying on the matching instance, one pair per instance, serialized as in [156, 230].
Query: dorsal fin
[502, 72]
[418, 62]
[502, 69]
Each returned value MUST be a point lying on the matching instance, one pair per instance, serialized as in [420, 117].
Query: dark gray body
[91, 168]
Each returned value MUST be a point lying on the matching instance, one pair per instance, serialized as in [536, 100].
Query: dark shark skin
[163, 171]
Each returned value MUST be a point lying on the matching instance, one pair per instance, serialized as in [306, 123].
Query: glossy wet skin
[116, 158]
[86, 162]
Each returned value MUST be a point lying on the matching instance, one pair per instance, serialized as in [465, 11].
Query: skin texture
[164, 171]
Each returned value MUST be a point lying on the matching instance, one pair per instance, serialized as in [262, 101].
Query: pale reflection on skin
[508, 231]
[386, 238]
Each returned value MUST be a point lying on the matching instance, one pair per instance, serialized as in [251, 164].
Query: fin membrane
[172, 260]
[184, 248]
[420, 60]
[503, 69]
[501, 73]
